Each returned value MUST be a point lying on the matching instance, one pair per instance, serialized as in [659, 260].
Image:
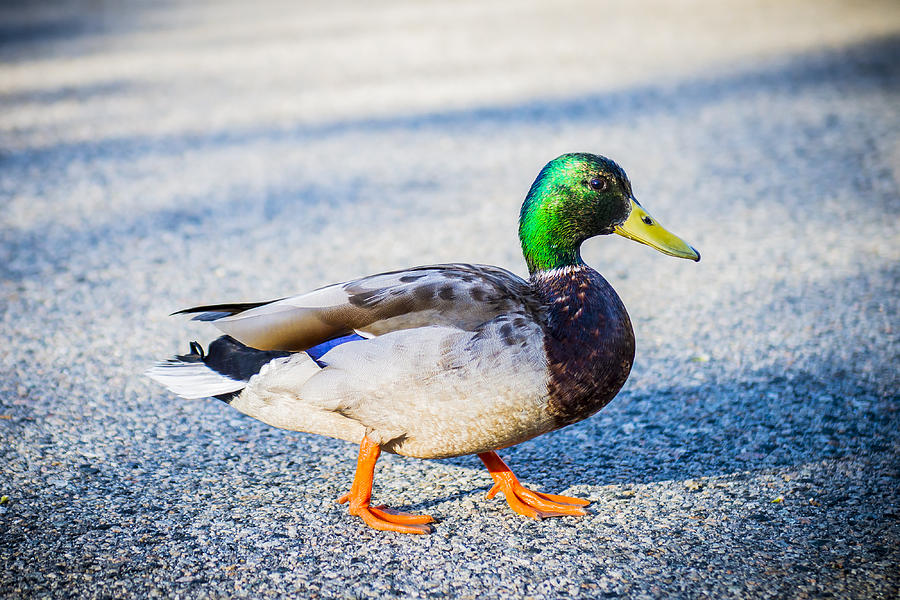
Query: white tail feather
[192, 380]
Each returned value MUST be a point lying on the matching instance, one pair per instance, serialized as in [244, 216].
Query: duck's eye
[599, 184]
[647, 220]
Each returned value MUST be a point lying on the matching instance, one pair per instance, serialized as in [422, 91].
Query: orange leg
[524, 501]
[378, 517]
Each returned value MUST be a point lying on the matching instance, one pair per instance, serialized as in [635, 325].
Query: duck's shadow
[692, 433]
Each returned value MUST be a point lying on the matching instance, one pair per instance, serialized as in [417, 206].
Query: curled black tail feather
[195, 355]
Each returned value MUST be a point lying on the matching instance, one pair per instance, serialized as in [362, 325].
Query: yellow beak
[641, 227]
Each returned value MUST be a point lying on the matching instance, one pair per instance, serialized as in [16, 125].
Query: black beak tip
[698, 254]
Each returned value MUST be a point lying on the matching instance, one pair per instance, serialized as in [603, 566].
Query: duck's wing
[461, 296]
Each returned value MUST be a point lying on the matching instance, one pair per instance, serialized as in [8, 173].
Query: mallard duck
[443, 360]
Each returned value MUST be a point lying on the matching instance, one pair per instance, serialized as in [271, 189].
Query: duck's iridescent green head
[578, 196]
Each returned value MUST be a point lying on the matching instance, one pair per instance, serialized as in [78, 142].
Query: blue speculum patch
[316, 352]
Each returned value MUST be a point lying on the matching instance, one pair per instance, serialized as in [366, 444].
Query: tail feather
[221, 372]
[193, 379]
[211, 312]
[226, 368]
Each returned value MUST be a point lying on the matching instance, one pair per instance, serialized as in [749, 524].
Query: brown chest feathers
[589, 341]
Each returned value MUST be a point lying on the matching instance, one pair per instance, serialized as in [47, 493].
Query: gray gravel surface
[155, 156]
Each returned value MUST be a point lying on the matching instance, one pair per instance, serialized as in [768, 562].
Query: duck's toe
[387, 519]
[402, 518]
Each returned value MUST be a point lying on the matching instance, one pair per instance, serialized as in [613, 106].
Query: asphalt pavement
[154, 156]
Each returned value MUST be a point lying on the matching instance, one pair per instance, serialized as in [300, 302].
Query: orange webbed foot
[378, 517]
[386, 519]
[535, 505]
